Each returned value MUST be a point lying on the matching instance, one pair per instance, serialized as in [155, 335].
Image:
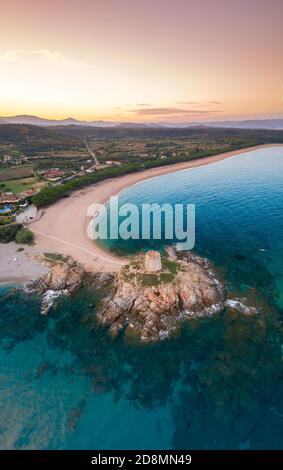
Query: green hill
[33, 139]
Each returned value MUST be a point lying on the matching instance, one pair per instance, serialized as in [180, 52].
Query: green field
[15, 173]
[19, 185]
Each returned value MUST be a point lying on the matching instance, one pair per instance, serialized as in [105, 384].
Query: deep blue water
[65, 384]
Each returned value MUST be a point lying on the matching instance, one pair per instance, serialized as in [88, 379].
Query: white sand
[18, 267]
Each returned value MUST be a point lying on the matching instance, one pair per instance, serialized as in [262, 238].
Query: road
[92, 154]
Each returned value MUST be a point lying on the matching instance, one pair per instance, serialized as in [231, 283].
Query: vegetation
[24, 138]
[171, 266]
[4, 220]
[149, 134]
[56, 258]
[148, 280]
[137, 148]
[50, 194]
[24, 236]
[135, 271]
[166, 278]
[19, 185]
[8, 233]
[19, 172]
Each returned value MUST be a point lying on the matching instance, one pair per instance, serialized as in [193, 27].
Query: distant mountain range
[36, 140]
[38, 121]
[247, 124]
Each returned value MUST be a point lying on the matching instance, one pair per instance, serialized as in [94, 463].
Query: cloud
[214, 102]
[169, 111]
[199, 103]
[143, 104]
[39, 55]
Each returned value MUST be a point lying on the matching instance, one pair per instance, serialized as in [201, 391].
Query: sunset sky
[142, 60]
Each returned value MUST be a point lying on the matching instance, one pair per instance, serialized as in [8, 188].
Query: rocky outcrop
[241, 306]
[152, 305]
[49, 298]
[63, 278]
[146, 305]
[100, 280]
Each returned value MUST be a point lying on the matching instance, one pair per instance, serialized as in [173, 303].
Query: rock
[171, 252]
[102, 279]
[147, 299]
[63, 278]
[49, 298]
[239, 305]
[154, 312]
[152, 262]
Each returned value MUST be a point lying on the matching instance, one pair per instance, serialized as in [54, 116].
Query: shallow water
[65, 383]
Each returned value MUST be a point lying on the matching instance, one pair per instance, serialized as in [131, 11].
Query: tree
[8, 233]
[24, 235]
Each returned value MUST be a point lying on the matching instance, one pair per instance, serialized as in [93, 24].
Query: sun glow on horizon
[122, 61]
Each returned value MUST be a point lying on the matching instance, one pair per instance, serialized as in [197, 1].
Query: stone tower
[152, 262]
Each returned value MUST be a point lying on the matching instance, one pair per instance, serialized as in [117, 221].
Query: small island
[149, 298]
[152, 294]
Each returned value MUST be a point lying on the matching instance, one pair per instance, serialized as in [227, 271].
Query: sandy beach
[18, 267]
[62, 226]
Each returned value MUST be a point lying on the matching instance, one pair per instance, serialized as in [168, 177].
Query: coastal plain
[62, 227]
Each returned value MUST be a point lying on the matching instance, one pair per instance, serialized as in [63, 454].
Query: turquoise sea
[65, 384]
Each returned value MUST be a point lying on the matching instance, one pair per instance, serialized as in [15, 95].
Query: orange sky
[142, 60]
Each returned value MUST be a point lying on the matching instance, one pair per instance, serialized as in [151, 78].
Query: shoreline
[62, 227]
[19, 267]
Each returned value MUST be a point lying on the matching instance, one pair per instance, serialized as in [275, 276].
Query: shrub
[56, 257]
[166, 277]
[50, 194]
[171, 266]
[148, 280]
[8, 232]
[5, 220]
[24, 235]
